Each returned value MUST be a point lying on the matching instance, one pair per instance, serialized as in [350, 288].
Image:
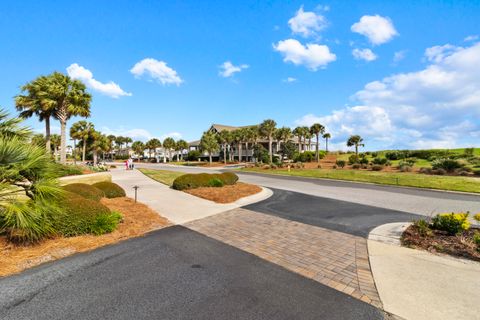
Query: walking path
[178, 207]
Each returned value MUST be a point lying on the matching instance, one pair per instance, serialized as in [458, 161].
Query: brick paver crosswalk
[332, 258]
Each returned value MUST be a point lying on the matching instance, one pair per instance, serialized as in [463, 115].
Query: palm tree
[99, 144]
[317, 129]
[55, 141]
[267, 129]
[181, 146]
[326, 136]
[239, 135]
[153, 144]
[71, 99]
[209, 144]
[12, 128]
[82, 130]
[284, 134]
[168, 144]
[138, 147]
[224, 138]
[305, 132]
[34, 100]
[127, 141]
[38, 140]
[356, 141]
[251, 136]
[298, 132]
[111, 140]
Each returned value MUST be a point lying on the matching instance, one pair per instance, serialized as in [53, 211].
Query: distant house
[247, 155]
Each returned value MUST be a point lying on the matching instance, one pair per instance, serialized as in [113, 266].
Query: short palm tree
[153, 144]
[55, 144]
[82, 130]
[99, 143]
[317, 129]
[181, 145]
[251, 136]
[355, 141]
[284, 134]
[298, 132]
[168, 144]
[224, 138]
[326, 136]
[138, 147]
[267, 129]
[209, 144]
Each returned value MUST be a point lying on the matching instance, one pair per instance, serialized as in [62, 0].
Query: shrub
[341, 163]
[407, 162]
[110, 189]
[63, 170]
[374, 154]
[405, 168]
[380, 161]
[377, 167]
[356, 166]
[85, 216]
[306, 156]
[452, 223]
[363, 161]
[425, 170]
[352, 159]
[193, 155]
[448, 165]
[477, 217]
[85, 190]
[192, 181]
[215, 182]
[423, 227]
[476, 240]
[439, 172]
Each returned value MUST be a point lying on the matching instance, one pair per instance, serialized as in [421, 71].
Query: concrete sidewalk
[416, 284]
[179, 207]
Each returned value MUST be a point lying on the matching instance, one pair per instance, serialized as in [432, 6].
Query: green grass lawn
[465, 184]
[162, 176]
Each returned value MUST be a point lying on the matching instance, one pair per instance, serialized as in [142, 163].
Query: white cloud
[227, 69]
[290, 79]
[436, 107]
[307, 23]
[313, 56]
[157, 70]
[399, 56]
[110, 89]
[376, 28]
[364, 54]
[438, 53]
[471, 38]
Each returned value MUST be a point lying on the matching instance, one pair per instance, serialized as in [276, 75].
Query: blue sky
[403, 74]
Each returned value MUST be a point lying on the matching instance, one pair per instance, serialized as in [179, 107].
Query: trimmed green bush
[85, 190]
[110, 189]
[192, 181]
[85, 216]
[341, 163]
[215, 182]
[448, 165]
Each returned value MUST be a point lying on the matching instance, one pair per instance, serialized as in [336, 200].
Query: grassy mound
[85, 190]
[110, 189]
[192, 181]
[85, 216]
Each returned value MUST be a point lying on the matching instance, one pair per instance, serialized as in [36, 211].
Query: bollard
[136, 188]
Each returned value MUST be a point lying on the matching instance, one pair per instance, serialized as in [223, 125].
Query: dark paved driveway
[352, 218]
[174, 273]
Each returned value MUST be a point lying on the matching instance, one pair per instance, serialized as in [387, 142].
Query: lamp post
[136, 188]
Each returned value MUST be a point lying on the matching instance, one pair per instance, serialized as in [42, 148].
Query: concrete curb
[389, 233]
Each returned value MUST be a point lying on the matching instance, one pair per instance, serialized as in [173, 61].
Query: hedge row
[192, 181]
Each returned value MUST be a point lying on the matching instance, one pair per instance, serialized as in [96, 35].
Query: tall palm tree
[127, 141]
[239, 136]
[224, 138]
[267, 129]
[251, 135]
[82, 130]
[70, 98]
[326, 136]
[355, 141]
[317, 129]
[55, 141]
[209, 144]
[305, 132]
[34, 100]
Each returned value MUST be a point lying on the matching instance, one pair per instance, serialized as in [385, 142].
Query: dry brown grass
[225, 194]
[138, 219]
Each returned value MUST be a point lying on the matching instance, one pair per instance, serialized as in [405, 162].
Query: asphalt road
[173, 273]
[347, 217]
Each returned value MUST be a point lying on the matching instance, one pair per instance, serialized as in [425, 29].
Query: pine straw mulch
[225, 194]
[460, 245]
[138, 219]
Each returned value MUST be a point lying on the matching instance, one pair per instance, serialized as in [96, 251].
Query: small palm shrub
[453, 223]
[192, 181]
[448, 165]
[85, 190]
[340, 163]
[353, 159]
[85, 216]
[423, 227]
[110, 189]
[380, 161]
